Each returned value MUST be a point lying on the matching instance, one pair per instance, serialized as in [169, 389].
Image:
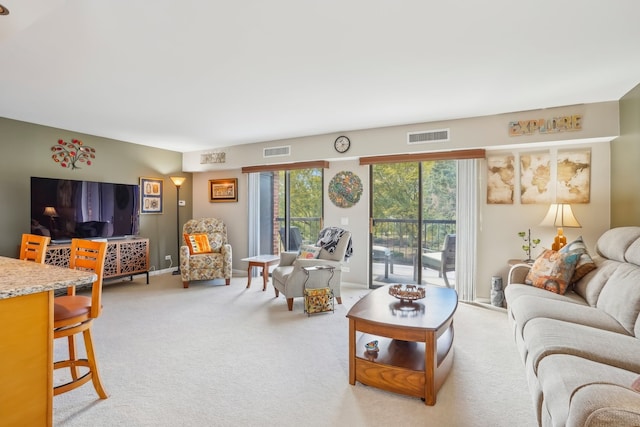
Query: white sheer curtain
[467, 228]
[254, 214]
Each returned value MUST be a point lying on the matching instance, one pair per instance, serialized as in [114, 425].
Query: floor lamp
[178, 180]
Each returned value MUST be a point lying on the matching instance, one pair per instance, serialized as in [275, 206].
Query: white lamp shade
[560, 215]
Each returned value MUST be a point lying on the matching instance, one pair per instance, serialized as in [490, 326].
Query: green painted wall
[625, 158]
[26, 152]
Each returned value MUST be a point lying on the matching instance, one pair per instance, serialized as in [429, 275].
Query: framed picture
[151, 192]
[223, 190]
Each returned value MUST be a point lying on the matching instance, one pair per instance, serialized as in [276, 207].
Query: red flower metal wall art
[71, 154]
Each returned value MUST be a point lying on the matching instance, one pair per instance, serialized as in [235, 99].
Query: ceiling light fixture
[3, 10]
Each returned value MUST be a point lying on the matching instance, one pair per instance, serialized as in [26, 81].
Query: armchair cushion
[197, 243]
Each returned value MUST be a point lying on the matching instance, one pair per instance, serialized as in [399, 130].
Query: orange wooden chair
[74, 314]
[34, 247]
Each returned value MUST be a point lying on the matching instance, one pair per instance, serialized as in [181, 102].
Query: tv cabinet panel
[125, 257]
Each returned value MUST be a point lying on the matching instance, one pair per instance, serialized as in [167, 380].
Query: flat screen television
[64, 209]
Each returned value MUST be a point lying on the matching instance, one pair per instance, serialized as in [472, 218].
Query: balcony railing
[399, 235]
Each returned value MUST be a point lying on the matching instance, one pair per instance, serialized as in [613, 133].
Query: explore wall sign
[553, 125]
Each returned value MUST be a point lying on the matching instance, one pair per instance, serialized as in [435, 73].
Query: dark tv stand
[125, 257]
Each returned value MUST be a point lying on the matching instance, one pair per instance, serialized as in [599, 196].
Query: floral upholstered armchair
[206, 252]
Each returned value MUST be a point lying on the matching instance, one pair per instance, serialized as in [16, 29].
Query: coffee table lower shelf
[399, 366]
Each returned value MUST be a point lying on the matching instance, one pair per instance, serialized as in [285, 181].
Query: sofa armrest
[517, 273]
[288, 258]
[599, 404]
[299, 263]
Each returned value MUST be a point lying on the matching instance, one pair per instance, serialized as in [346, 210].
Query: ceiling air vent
[277, 151]
[438, 135]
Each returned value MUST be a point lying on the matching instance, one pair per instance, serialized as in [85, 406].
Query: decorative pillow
[585, 264]
[552, 271]
[309, 252]
[198, 243]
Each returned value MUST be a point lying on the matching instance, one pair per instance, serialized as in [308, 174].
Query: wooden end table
[260, 261]
[415, 341]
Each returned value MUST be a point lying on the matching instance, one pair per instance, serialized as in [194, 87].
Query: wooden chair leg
[339, 299]
[227, 281]
[93, 365]
[290, 303]
[185, 284]
[277, 292]
[71, 343]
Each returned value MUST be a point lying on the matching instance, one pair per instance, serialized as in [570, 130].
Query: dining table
[27, 290]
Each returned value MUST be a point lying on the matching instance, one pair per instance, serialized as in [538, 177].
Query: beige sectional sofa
[580, 349]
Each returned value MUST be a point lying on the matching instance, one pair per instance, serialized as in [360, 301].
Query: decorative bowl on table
[407, 292]
[372, 345]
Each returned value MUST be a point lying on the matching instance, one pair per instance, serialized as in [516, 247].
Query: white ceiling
[193, 75]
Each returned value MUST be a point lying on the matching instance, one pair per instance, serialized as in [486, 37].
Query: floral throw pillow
[198, 243]
[309, 252]
[552, 271]
[585, 263]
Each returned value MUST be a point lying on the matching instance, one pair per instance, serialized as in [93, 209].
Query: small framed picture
[151, 192]
[223, 190]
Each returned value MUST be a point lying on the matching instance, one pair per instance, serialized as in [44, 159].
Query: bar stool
[74, 314]
[34, 248]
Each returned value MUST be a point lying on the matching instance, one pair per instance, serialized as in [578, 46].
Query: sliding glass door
[413, 209]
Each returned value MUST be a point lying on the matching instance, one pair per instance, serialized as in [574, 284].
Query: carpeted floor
[215, 355]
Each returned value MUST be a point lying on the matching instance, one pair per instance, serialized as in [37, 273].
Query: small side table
[260, 261]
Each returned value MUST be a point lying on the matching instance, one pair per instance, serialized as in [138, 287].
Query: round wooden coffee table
[415, 341]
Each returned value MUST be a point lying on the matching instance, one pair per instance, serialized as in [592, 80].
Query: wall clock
[342, 144]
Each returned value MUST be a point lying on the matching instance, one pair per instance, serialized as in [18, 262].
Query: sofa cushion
[576, 374]
[613, 243]
[528, 308]
[552, 271]
[198, 243]
[611, 346]
[621, 296]
[584, 264]
[590, 286]
[633, 253]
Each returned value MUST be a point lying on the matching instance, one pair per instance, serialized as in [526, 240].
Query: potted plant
[529, 244]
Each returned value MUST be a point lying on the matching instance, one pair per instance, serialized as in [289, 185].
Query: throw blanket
[328, 239]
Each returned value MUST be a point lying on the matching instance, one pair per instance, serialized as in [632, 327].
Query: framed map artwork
[574, 176]
[500, 179]
[535, 177]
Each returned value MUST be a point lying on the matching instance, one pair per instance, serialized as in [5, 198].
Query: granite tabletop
[25, 277]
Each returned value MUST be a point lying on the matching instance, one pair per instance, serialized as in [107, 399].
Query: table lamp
[560, 215]
[50, 211]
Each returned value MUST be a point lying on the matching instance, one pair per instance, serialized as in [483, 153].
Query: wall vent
[277, 151]
[423, 137]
